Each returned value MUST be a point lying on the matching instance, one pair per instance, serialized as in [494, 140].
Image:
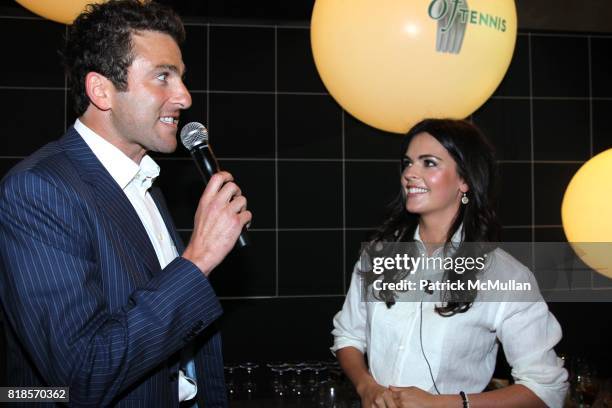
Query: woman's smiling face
[430, 178]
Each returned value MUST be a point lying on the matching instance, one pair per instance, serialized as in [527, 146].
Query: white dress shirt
[135, 181]
[461, 349]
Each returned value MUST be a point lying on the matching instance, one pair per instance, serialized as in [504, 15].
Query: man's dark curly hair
[100, 40]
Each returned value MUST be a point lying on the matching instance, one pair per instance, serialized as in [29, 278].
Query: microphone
[194, 137]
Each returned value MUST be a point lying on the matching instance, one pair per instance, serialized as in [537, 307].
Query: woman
[442, 353]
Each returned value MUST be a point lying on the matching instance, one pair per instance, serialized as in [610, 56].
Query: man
[94, 293]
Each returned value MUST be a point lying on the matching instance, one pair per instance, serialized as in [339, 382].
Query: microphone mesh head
[192, 134]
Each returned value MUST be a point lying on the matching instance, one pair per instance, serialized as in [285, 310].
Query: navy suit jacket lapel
[110, 198]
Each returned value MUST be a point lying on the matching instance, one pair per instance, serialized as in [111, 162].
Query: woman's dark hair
[100, 40]
[476, 165]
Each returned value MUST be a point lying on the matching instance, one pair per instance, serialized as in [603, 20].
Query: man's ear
[99, 90]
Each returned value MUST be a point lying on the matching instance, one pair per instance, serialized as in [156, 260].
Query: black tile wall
[309, 127]
[309, 262]
[296, 69]
[506, 123]
[512, 234]
[602, 125]
[195, 56]
[249, 271]
[560, 65]
[516, 81]
[302, 324]
[182, 187]
[256, 181]
[583, 337]
[241, 59]
[310, 194]
[354, 240]
[370, 187]
[33, 49]
[33, 117]
[242, 125]
[515, 198]
[601, 281]
[561, 130]
[365, 142]
[6, 164]
[601, 66]
[549, 234]
[550, 181]
[316, 178]
[198, 112]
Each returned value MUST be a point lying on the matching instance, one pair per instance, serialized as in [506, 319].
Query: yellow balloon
[586, 213]
[391, 63]
[61, 11]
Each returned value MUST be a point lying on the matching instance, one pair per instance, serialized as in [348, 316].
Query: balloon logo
[587, 215]
[391, 63]
[61, 11]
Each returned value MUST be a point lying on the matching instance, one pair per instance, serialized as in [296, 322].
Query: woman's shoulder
[503, 264]
[517, 281]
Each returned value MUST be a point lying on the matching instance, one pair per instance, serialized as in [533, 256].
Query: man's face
[145, 117]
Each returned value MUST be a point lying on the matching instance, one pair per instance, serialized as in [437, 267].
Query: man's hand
[219, 219]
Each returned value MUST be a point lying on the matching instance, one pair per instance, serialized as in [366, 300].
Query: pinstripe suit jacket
[85, 301]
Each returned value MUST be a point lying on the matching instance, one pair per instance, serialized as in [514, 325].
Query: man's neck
[103, 129]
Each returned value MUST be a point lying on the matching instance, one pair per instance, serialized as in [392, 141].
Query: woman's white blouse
[461, 349]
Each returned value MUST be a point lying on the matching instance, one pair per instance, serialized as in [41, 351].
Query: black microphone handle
[205, 161]
[207, 164]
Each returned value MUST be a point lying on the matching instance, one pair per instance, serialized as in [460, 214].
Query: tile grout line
[207, 75]
[317, 160]
[590, 62]
[304, 93]
[368, 229]
[531, 137]
[276, 200]
[65, 90]
[306, 26]
[34, 88]
[344, 254]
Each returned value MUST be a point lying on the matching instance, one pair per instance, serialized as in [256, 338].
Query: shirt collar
[147, 173]
[121, 168]
[456, 239]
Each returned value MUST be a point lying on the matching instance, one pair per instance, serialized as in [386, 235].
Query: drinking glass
[230, 381]
[249, 383]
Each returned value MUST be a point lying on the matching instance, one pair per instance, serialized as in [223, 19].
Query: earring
[464, 199]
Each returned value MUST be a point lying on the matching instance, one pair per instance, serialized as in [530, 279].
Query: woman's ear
[463, 187]
[99, 90]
